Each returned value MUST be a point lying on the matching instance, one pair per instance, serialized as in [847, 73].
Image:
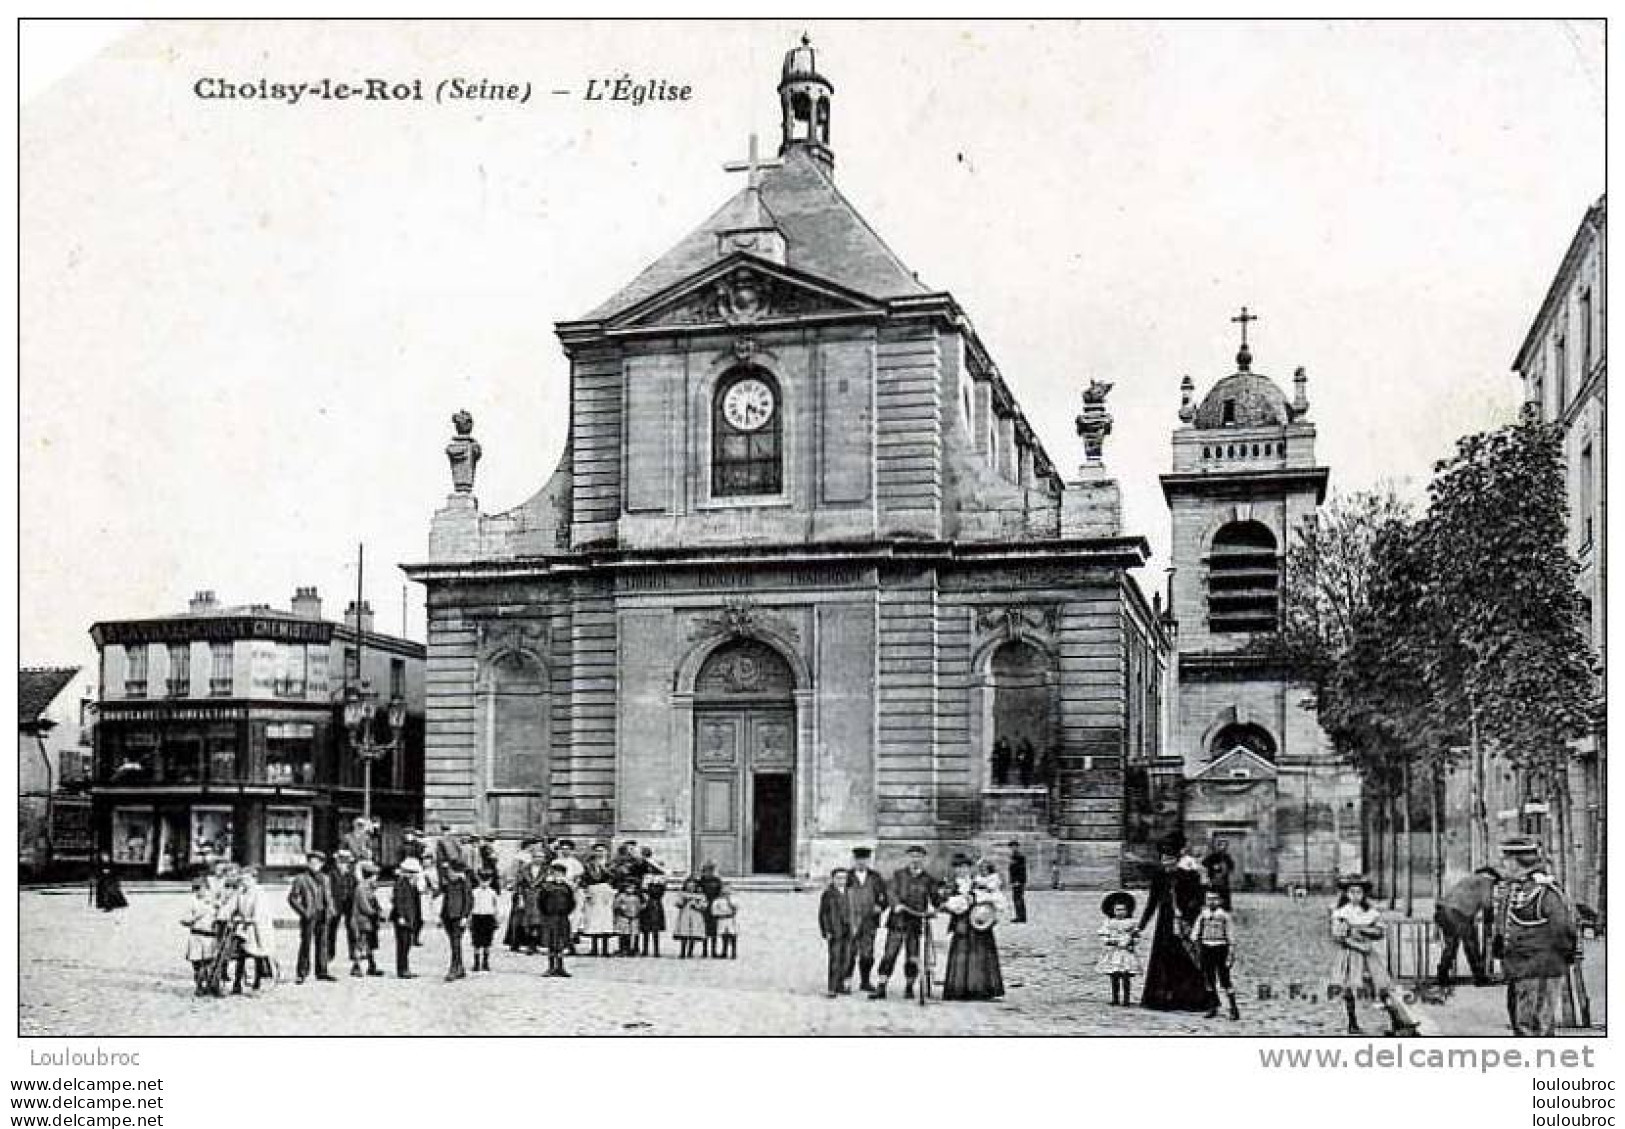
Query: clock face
[748, 405]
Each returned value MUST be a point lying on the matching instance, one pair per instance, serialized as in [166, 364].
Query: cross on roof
[1242, 319]
[752, 165]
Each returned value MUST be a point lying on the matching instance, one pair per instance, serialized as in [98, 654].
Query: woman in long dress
[598, 900]
[1173, 981]
[973, 956]
[105, 892]
[1357, 930]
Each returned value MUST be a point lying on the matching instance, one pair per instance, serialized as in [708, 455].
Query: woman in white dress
[1357, 930]
[598, 900]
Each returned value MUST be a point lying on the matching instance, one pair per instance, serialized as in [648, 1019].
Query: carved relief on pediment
[1013, 620]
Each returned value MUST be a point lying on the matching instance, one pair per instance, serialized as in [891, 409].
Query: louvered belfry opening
[1244, 579]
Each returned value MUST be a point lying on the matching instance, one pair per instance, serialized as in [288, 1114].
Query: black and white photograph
[627, 528]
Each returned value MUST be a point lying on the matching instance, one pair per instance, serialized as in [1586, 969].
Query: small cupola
[804, 99]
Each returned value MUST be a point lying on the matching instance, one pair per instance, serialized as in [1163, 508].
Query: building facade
[52, 770]
[220, 734]
[1256, 767]
[1563, 367]
[804, 579]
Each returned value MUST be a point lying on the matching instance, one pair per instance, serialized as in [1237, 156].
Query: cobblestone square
[87, 973]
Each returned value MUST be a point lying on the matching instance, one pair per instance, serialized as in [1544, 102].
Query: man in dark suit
[868, 893]
[835, 923]
[1018, 882]
[406, 914]
[342, 880]
[312, 900]
[913, 894]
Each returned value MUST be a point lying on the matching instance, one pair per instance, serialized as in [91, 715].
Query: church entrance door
[744, 761]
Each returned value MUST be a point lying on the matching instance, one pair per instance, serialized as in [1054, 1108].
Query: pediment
[1239, 765]
[743, 290]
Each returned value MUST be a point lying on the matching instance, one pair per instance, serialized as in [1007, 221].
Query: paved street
[85, 973]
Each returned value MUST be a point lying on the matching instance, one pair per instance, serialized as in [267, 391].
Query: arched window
[1242, 735]
[517, 733]
[1023, 712]
[1244, 579]
[747, 434]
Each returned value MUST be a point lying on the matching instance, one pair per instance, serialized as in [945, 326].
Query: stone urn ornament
[463, 452]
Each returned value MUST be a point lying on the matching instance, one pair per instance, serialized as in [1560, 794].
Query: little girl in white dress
[1118, 960]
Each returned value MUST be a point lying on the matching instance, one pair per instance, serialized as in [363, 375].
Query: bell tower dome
[804, 100]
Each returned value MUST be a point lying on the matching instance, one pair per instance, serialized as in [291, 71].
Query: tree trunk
[1478, 828]
[1410, 845]
[1436, 817]
[1393, 851]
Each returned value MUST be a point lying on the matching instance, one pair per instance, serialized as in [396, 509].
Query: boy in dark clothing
[456, 904]
[342, 880]
[835, 923]
[556, 901]
[406, 914]
[1018, 883]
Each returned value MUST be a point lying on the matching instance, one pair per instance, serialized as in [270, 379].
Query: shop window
[134, 759]
[182, 758]
[287, 836]
[135, 836]
[290, 752]
[220, 749]
[212, 836]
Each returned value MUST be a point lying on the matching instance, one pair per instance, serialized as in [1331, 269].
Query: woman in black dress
[105, 892]
[1173, 981]
[973, 957]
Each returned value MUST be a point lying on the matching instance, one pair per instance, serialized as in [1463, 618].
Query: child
[652, 921]
[456, 906]
[690, 926]
[254, 927]
[1118, 960]
[835, 923]
[725, 911]
[1213, 934]
[483, 923]
[556, 902]
[628, 909]
[365, 918]
[200, 936]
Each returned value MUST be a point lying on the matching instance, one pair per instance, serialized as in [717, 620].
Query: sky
[245, 325]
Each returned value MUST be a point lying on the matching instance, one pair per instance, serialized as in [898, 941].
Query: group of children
[1210, 939]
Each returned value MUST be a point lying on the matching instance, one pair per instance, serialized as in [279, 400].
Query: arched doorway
[744, 760]
[1020, 753]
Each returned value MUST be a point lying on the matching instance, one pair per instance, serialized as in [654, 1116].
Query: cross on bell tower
[1244, 357]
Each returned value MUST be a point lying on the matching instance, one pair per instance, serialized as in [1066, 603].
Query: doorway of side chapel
[744, 761]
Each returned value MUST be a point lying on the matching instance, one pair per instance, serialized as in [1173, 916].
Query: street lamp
[360, 718]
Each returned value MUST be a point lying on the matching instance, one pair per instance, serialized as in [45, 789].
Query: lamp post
[360, 718]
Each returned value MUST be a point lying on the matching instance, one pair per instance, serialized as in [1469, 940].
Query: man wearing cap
[342, 881]
[406, 914]
[1537, 940]
[913, 894]
[867, 891]
[312, 899]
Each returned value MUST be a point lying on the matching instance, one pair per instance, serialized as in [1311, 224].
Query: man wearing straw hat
[1537, 939]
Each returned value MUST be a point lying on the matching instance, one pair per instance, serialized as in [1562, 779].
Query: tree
[1502, 578]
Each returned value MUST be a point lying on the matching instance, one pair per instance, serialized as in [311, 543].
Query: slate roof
[37, 688]
[824, 236]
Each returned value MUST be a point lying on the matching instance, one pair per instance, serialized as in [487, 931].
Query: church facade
[1253, 765]
[804, 579]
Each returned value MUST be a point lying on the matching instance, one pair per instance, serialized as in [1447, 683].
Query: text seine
[363, 90]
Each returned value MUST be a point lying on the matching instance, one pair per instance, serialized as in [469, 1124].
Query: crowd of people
[612, 902]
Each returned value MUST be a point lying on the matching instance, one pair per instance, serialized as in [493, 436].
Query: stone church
[804, 579]
[1254, 767]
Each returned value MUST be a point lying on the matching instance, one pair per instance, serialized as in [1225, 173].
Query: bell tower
[804, 100]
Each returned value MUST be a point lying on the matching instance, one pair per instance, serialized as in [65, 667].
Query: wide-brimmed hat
[411, 865]
[983, 915]
[962, 859]
[916, 849]
[1344, 881]
[862, 852]
[317, 856]
[1117, 898]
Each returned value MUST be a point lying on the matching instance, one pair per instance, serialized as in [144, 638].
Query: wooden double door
[744, 788]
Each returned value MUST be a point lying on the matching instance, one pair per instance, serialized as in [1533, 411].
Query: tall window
[135, 670]
[747, 435]
[1588, 496]
[1586, 347]
[180, 670]
[397, 679]
[220, 676]
[1560, 367]
[517, 731]
[1244, 578]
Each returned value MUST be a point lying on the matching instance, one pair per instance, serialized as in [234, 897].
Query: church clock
[748, 405]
